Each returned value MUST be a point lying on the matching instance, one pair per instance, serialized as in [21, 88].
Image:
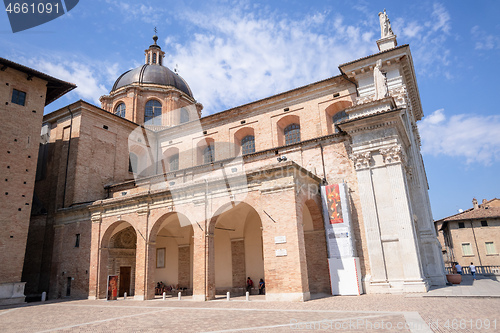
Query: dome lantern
[154, 54]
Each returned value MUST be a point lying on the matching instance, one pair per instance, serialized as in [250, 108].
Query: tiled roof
[55, 87]
[474, 214]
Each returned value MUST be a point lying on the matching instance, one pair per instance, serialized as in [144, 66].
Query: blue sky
[234, 52]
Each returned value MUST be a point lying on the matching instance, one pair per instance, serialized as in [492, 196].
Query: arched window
[184, 116]
[248, 145]
[208, 154]
[173, 163]
[337, 118]
[152, 113]
[154, 58]
[292, 134]
[120, 110]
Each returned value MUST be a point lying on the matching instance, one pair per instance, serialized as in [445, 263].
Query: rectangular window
[461, 224]
[484, 223]
[490, 248]
[18, 97]
[77, 240]
[467, 249]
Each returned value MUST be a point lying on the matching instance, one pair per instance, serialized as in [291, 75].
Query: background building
[23, 92]
[472, 236]
[144, 189]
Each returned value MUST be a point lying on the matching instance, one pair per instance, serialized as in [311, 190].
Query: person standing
[473, 270]
[459, 268]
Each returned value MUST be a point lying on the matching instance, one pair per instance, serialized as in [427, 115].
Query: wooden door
[124, 281]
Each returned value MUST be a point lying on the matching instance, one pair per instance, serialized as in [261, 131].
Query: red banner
[334, 204]
[112, 287]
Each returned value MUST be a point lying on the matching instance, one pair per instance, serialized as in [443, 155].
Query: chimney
[474, 203]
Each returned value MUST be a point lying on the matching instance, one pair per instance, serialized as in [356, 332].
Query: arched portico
[235, 249]
[117, 256]
[171, 245]
[316, 250]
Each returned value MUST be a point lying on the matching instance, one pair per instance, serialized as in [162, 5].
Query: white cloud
[441, 18]
[87, 77]
[238, 56]
[475, 138]
[484, 41]
[427, 37]
[412, 29]
[137, 10]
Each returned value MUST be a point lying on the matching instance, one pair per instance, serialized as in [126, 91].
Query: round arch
[283, 123]
[172, 254]
[336, 110]
[240, 134]
[118, 258]
[120, 108]
[153, 112]
[237, 248]
[316, 250]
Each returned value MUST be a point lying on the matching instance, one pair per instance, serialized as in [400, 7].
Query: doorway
[124, 280]
[68, 287]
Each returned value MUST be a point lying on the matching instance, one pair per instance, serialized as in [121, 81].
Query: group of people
[161, 288]
[457, 269]
[262, 286]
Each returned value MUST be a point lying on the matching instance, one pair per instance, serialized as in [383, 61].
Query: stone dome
[153, 74]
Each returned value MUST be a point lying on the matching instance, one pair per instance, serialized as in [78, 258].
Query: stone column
[184, 267]
[362, 163]
[284, 261]
[387, 214]
[95, 256]
[412, 268]
[210, 266]
[145, 257]
[238, 262]
[199, 264]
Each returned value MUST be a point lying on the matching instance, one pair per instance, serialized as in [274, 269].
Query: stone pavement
[366, 313]
[482, 286]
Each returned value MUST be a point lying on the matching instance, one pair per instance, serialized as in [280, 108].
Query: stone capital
[393, 154]
[361, 160]
[143, 209]
[96, 217]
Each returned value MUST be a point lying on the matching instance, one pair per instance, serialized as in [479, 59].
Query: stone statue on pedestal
[380, 81]
[385, 25]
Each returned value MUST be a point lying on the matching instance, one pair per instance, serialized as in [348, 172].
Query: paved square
[379, 313]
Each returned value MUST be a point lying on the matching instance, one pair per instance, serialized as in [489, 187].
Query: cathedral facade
[146, 190]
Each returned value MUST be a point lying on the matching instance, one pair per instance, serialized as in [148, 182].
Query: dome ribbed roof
[153, 74]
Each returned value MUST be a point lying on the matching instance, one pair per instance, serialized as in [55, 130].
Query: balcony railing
[483, 270]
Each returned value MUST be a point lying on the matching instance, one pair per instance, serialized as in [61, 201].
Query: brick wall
[20, 136]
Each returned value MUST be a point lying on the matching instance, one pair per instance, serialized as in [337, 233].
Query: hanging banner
[112, 287]
[337, 220]
[334, 204]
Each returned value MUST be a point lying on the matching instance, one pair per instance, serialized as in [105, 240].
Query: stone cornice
[82, 106]
[384, 119]
[275, 171]
[147, 87]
